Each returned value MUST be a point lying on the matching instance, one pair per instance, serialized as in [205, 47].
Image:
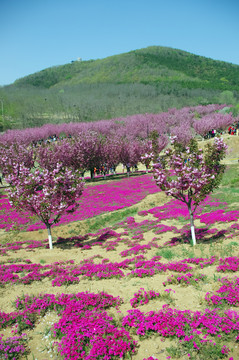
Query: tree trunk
[192, 226]
[49, 237]
[92, 174]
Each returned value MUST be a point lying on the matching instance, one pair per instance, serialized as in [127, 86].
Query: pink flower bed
[97, 338]
[95, 200]
[228, 264]
[143, 297]
[193, 327]
[116, 195]
[187, 279]
[67, 272]
[87, 311]
[13, 347]
[228, 293]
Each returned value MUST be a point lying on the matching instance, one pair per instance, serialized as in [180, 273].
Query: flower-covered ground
[95, 200]
[130, 289]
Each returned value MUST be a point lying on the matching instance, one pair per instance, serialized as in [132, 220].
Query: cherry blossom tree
[130, 153]
[48, 155]
[153, 147]
[46, 194]
[68, 152]
[91, 148]
[80, 152]
[147, 157]
[110, 152]
[215, 121]
[189, 175]
[16, 154]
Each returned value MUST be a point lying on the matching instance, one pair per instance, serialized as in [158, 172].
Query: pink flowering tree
[130, 151]
[46, 194]
[147, 158]
[15, 154]
[50, 154]
[153, 147]
[189, 175]
[110, 152]
[217, 121]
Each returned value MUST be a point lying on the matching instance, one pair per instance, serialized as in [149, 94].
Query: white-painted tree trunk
[193, 235]
[192, 227]
[49, 238]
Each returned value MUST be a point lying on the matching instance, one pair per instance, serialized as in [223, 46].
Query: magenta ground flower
[113, 196]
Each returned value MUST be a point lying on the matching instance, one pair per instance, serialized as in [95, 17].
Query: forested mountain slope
[151, 65]
[146, 80]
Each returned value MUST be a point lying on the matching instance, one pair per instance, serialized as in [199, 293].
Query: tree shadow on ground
[203, 236]
[84, 242]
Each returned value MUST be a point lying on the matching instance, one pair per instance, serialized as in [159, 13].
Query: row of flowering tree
[185, 172]
[45, 180]
[86, 146]
[85, 152]
[182, 122]
[108, 143]
[89, 150]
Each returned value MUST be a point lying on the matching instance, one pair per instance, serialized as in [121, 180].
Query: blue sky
[36, 34]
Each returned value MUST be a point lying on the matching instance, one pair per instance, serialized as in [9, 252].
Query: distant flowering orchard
[176, 121]
[102, 145]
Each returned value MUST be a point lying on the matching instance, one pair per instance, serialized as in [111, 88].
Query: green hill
[146, 80]
[148, 66]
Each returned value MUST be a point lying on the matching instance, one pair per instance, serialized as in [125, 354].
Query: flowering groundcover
[95, 200]
[102, 337]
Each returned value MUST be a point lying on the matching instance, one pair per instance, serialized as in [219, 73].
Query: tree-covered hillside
[146, 80]
[151, 65]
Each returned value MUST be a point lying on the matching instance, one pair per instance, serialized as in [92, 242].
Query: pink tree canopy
[15, 154]
[46, 194]
[189, 175]
[215, 121]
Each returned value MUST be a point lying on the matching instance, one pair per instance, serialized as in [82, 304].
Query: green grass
[228, 190]
[101, 221]
[182, 220]
[228, 195]
[231, 176]
[72, 232]
[229, 249]
[166, 254]
[208, 350]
